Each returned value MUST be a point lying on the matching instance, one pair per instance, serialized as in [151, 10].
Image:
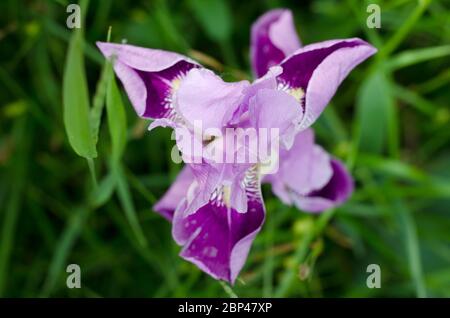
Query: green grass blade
[403, 31]
[62, 251]
[98, 102]
[8, 230]
[228, 290]
[123, 191]
[418, 102]
[411, 242]
[117, 122]
[411, 57]
[104, 191]
[289, 276]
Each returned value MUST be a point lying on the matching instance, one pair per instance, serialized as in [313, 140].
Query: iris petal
[309, 178]
[334, 193]
[216, 237]
[177, 192]
[149, 76]
[273, 37]
[313, 73]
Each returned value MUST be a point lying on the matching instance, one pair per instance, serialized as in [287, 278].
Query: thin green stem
[289, 275]
[91, 166]
[228, 289]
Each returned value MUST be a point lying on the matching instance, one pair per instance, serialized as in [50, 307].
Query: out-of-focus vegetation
[389, 121]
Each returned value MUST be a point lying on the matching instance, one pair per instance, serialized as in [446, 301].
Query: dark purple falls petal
[160, 88]
[216, 238]
[149, 76]
[313, 73]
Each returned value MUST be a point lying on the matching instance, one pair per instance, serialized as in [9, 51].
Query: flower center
[297, 93]
[269, 165]
[227, 195]
[175, 84]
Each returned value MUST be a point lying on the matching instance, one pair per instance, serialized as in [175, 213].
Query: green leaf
[373, 104]
[116, 118]
[76, 99]
[214, 17]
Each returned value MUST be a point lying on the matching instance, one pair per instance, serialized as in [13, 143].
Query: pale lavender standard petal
[216, 237]
[273, 109]
[268, 81]
[167, 205]
[204, 97]
[309, 178]
[150, 77]
[313, 73]
[273, 37]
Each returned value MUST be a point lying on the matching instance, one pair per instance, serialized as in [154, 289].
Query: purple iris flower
[216, 209]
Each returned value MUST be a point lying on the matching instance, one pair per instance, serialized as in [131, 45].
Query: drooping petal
[273, 37]
[216, 237]
[177, 192]
[309, 178]
[306, 166]
[149, 76]
[204, 97]
[335, 192]
[313, 73]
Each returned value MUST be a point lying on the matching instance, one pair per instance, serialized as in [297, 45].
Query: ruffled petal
[216, 237]
[273, 37]
[205, 98]
[268, 81]
[313, 73]
[150, 77]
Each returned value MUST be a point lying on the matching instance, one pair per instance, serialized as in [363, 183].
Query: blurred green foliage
[389, 120]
